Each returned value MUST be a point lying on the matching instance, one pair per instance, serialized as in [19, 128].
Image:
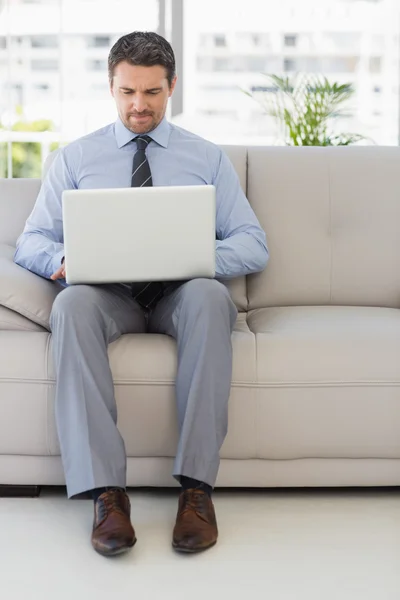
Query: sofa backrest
[17, 198]
[332, 218]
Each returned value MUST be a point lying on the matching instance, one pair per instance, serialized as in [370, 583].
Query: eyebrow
[127, 89]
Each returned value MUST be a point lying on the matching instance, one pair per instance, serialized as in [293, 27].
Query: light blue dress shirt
[103, 159]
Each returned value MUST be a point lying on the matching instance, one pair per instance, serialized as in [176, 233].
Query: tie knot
[142, 141]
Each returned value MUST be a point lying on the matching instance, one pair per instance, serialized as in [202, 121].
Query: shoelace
[112, 501]
[193, 500]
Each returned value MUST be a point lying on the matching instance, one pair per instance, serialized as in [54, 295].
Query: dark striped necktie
[145, 294]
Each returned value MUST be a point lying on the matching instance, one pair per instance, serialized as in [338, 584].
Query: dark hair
[144, 48]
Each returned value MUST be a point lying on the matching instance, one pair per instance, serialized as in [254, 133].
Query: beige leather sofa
[315, 394]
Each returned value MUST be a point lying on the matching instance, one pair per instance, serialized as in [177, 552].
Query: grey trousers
[200, 315]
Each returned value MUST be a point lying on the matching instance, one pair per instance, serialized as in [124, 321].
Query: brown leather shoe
[112, 528]
[196, 526]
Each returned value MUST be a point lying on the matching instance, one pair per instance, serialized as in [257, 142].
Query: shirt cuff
[57, 258]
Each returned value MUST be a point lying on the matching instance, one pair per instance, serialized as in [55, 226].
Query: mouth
[140, 118]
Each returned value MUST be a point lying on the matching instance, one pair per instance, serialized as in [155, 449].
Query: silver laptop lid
[139, 234]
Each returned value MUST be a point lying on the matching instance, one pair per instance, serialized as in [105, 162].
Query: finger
[56, 275]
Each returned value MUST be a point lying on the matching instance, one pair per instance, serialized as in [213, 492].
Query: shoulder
[86, 146]
[183, 136]
[94, 137]
[195, 144]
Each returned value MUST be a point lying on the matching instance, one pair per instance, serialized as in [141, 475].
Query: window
[44, 41]
[219, 88]
[222, 64]
[100, 89]
[343, 41]
[263, 88]
[251, 40]
[15, 90]
[310, 65]
[328, 37]
[49, 91]
[205, 64]
[249, 64]
[375, 64]
[44, 64]
[96, 65]
[204, 40]
[378, 43]
[290, 41]
[289, 65]
[99, 41]
[220, 41]
[339, 65]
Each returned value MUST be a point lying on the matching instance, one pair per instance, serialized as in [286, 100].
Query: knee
[206, 293]
[72, 301]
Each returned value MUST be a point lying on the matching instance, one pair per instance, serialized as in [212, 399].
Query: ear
[173, 84]
[112, 88]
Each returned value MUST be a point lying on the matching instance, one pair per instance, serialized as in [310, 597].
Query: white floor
[278, 545]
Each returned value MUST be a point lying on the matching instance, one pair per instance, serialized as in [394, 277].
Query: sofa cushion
[332, 218]
[11, 320]
[17, 199]
[144, 371]
[328, 382]
[273, 414]
[327, 344]
[24, 292]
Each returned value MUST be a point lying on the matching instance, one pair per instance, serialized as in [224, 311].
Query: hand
[60, 273]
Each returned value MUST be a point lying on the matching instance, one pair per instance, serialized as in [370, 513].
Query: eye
[127, 93]
[154, 93]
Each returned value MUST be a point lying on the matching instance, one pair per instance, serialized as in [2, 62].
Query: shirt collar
[160, 134]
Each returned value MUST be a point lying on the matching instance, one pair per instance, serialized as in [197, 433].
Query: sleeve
[40, 247]
[241, 242]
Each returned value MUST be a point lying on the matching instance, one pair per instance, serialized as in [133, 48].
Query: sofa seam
[47, 394]
[256, 400]
[235, 384]
[57, 457]
[29, 315]
[20, 327]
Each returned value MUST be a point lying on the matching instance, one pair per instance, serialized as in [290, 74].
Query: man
[142, 148]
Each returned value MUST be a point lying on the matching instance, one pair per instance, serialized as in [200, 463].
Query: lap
[106, 303]
[188, 298]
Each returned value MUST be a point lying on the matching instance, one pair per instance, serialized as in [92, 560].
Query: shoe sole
[117, 552]
[192, 550]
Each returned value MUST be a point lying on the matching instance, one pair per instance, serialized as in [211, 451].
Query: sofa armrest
[24, 292]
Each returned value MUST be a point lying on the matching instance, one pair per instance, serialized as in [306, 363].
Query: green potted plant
[26, 156]
[305, 109]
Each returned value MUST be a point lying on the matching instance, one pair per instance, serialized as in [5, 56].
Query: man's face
[141, 95]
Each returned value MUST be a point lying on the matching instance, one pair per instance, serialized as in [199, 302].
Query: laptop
[139, 234]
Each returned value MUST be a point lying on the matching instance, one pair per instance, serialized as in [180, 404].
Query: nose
[139, 103]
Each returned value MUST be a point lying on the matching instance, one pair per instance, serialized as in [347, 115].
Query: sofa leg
[19, 491]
